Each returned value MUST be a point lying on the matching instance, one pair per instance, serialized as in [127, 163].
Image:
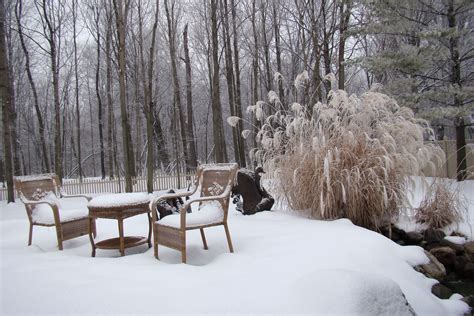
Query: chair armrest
[65, 195]
[223, 195]
[164, 197]
[54, 207]
[187, 204]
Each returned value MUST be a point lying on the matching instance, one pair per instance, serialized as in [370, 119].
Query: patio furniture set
[43, 196]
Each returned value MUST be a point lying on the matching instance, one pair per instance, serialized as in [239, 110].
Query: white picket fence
[97, 185]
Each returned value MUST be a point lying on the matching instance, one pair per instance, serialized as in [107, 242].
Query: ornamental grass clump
[347, 158]
[442, 205]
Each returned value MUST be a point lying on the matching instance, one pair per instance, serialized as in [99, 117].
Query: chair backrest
[214, 179]
[34, 187]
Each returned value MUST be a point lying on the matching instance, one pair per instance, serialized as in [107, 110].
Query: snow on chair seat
[209, 213]
[43, 213]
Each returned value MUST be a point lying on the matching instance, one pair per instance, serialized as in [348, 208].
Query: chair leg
[92, 235]
[94, 229]
[229, 241]
[30, 237]
[59, 233]
[155, 240]
[183, 255]
[183, 248]
[203, 238]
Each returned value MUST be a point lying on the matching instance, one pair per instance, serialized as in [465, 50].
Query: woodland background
[101, 88]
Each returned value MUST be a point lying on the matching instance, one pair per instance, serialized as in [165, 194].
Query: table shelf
[114, 243]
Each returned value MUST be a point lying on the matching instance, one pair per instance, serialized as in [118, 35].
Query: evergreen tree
[424, 53]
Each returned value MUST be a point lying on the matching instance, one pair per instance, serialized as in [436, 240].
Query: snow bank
[362, 293]
[282, 264]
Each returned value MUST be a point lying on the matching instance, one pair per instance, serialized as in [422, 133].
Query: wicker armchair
[215, 184]
[40, 194]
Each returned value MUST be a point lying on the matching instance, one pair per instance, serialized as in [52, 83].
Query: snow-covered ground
[282, 264]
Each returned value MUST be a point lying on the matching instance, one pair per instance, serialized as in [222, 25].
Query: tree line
[121, 88]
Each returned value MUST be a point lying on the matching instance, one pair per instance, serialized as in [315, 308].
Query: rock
[459, 263]
[469, 250]
[469, 300]
[423, 244]
[445, 255]
[441, 291]
[450, 278]
[434, 269]
[413, 238]
[457, 247]
[434, 235]
[394, 233]
[458, 234]
[432, 246]
[468, 271]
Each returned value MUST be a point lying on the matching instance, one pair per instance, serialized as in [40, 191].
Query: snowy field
[282, 264]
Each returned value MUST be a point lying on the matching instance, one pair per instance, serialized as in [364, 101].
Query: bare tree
[121, 15]
[5, 100]
[51, 22]
[111, 138]
[39, 115]
[276, 30]
[191, 142]
[172, 23]
[237, 87]
[345, 7]
[147, 80]
[229, 73]
[218, 126]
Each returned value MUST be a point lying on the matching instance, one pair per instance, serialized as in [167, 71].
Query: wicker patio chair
[215, 185]
[40, 194]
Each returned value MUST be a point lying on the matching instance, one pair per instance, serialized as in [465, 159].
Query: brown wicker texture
[215, 182]
[119, 213]
[28, 186]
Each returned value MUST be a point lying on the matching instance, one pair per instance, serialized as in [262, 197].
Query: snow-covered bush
[347, 158]
[442, 205]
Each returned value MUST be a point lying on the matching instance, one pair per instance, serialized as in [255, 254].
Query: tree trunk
[108, 84]
[266, 47]
[344, 16]
[456, 81]
[325, 47]
[120, 19]
[217, 123]
[229, 74]
[5, 99]
[148, 94]
[276, 30]
[58, 152]
[14, 123]
[162, 153]
[316, 76]
[99, 98]
[191, 142]
[41, 128]
[174, 71]
[255, 122]
[78, 112]
[238, 95]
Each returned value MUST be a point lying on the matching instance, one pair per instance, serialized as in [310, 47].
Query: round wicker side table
[119, 206]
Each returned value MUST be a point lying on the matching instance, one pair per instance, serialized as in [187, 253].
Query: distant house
[445, 127]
